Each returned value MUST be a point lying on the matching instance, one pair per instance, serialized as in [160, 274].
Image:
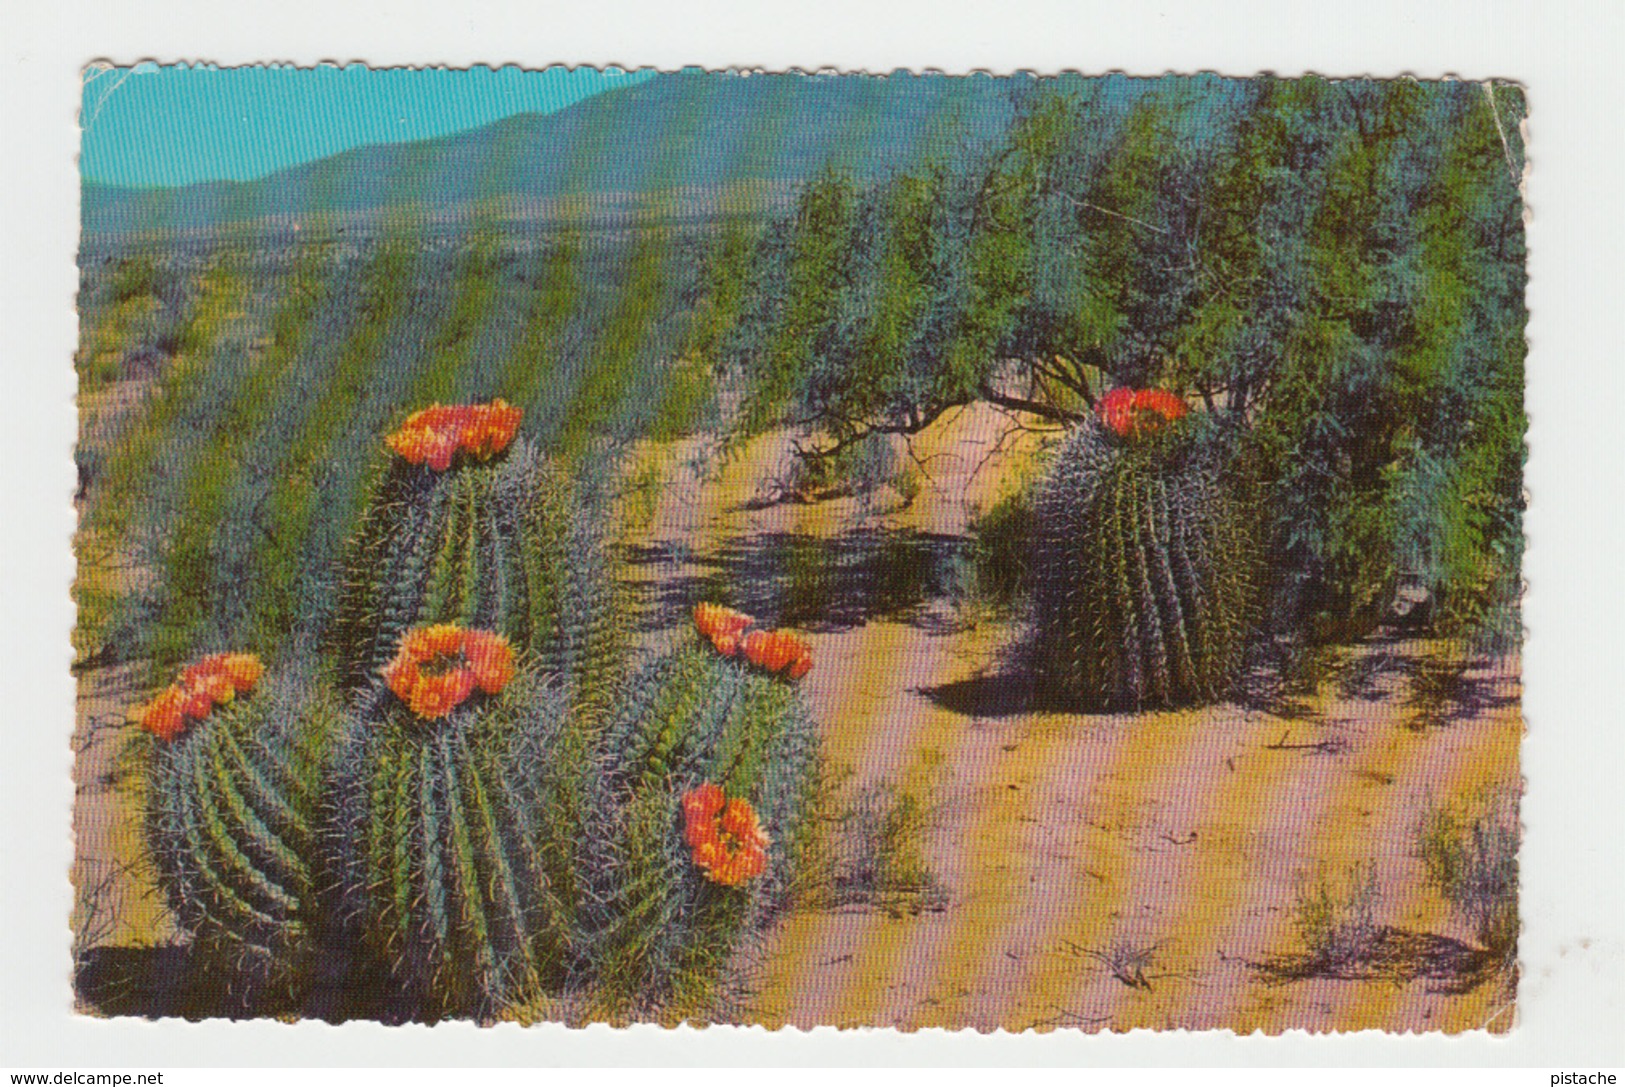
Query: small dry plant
[1470, 850]
[1336, 920]
[874, 854]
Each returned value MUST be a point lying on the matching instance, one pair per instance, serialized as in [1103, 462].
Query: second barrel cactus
[1145, 559]
[491, 537]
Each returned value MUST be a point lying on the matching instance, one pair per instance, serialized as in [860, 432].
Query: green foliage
[443, 876]
[1335, 267]
[1144, 569]
[689, 717]
[1002, 549]
[505, 546]
[877, 855]
[233, 825]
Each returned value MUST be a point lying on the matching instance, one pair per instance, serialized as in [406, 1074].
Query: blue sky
[152, 125]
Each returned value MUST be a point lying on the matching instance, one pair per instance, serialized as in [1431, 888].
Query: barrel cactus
[710, 766]
[1145, 561]
[233, 792]
[479, 530]
[442, 793]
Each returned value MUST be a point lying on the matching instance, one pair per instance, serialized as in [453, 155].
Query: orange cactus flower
[701, 807]
[490, 660]
[437, 433]
[444, 639]
[725, 835]
[436, 668]
[490, 428]
[164, 716]
[243, 669]
[779, 651]
[714, 620]
[402, 675]
[213, 681]
[437, 695]
[1130, 413]
[801, 665]
[725, 627]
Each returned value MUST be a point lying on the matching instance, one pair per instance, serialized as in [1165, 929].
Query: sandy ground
[1060, 838]
[1060, 841]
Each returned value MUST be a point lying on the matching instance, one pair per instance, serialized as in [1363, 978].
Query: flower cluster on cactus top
[1132, 413]
[725, 834]
[437, 667]
[777, 651]
[212, 681]
[439, 432]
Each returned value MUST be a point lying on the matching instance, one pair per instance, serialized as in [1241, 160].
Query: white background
[1572, 1003]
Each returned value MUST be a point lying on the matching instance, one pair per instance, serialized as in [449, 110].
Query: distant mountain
[693, 141]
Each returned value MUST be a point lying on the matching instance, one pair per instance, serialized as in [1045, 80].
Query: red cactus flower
[436, 668]
[436, 434]
[725, 627]
[725, 835]
[1130, 413]
[164, 716]
[490, 660]
[201, 686]
[779, 651]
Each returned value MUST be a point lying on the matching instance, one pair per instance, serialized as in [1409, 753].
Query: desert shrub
[690, 391]
[1336, 268]
[1336, 920]
[134, 277]
[1001, 550]
[1470, 851]
[864, 466]
[875, 854]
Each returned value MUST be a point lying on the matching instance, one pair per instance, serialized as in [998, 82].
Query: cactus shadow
[140, 981]
[1009, 692]
[167, 981]
[825, 584]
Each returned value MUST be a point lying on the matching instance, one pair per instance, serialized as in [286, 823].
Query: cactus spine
[1144, 568]
[503, 545]
[233, 826]
[443, 876]
[686, 718]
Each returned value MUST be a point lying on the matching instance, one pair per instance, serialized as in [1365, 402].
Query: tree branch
[1032, 407]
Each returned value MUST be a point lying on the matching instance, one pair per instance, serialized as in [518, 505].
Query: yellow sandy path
[1340, 834]
[1200, 802]
[884, 734]
[1482, 767]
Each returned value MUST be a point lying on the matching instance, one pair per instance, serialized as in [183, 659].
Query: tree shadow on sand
[819, 583]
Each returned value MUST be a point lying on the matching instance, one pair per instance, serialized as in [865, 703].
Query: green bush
[1470, 852]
